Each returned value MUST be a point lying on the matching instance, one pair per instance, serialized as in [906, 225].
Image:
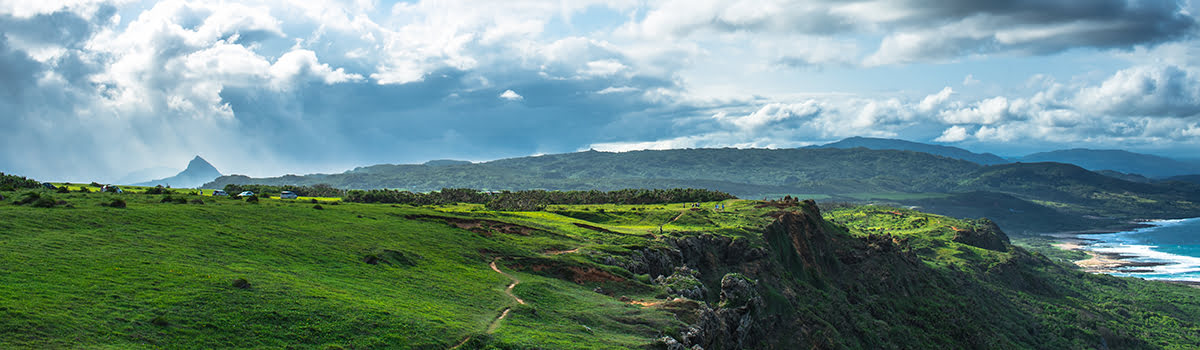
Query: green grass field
[219, 272]
[157, 274]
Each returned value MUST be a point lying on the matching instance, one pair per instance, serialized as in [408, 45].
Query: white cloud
[929, 103]
[617, 90]
[511, 96]
[603, 67]
[300, 63]
[970, 80]
[989, 111]
[953, 134]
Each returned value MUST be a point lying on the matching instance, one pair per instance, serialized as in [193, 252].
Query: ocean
[1174, 243]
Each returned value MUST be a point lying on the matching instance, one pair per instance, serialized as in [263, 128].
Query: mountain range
[1117, 160]
[1050, 196]
[197, 173]
[1127, 163]
[902, 145]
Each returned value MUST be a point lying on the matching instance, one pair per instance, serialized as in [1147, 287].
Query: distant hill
[1186, 178]
[747, 173]
[1072, 188]
[856, 175]
[1117, 160]
[902, 145]
[1124, 176]
[198, 173]
[445, 162]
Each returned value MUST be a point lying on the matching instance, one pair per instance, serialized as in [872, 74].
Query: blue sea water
[1176, 243]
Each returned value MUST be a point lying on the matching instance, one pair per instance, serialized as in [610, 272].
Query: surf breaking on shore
[1127, 254]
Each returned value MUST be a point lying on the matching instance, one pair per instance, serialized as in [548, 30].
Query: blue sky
[96, 89]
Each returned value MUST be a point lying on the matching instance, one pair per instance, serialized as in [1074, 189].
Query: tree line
[318, 190]
[13, 182]
[534, 200]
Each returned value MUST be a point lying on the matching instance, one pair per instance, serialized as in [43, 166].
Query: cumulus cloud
[511, 96]
[953, 134]
[107, 85]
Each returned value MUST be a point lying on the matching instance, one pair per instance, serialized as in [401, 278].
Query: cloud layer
[94, 90]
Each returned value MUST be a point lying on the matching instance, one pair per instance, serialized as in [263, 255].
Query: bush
[95, 184]
[13, 182]
[241, 283]
[176, 200]
[318, 207]
[252, 199]
[197, 201]
[63, 189]
[84, 189]
[44, 202]
[158, 190]
[27, 197]
[117, 203]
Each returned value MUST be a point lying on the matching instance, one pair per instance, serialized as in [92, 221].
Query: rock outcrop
[987, 236]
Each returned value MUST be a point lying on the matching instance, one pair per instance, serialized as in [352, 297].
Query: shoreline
[1109, 263]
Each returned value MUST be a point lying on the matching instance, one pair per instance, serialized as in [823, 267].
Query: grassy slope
[100, 276]
[159, 275]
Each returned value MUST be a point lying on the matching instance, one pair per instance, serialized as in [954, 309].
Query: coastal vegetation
[1021, 197]
[220, 272]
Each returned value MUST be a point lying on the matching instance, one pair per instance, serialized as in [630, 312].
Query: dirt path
[508, 290]
[557, 252]
[504, 313]
[496, 323]
[676, 217]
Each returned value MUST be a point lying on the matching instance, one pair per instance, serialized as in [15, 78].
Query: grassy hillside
[235, 274]
[744, 172]
[1118, 160]
[894, 144]
[1074, 189]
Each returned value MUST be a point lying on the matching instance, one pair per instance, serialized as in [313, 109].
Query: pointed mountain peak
[199, 165]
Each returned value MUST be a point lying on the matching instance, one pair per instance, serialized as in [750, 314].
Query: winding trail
[504, 313]
[508, 290]
[558, 252]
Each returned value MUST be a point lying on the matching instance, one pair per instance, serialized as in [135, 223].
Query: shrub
[176, 200]
[318, 207]
[197, 201]
[27, 197]
[158, 190]
[13, 182]
[84, 189]
[241, 283]
[252, 199]
[44, 202]
[117, 203]
[95, 184]
[63, 189]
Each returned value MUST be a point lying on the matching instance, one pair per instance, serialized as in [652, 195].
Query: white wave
[1175, 263]
[1128, 243]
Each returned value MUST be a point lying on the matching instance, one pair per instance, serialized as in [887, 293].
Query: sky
[94, 90]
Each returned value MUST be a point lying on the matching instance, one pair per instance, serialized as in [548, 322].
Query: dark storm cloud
[440, 116]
